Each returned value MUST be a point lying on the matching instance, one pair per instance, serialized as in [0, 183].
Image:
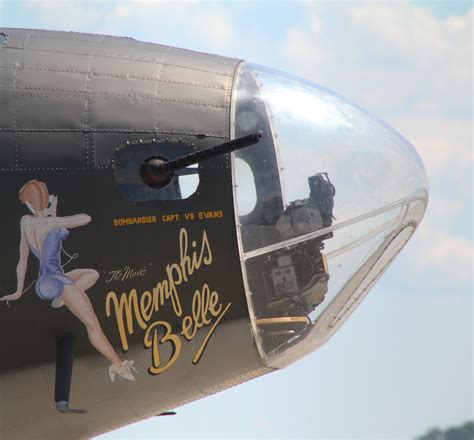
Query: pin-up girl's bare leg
[84, 278]
[77, 301]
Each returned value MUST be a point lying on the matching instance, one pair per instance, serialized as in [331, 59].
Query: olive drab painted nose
[174, 245]
[324, 203]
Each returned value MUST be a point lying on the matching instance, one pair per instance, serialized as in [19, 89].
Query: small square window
[128, 162]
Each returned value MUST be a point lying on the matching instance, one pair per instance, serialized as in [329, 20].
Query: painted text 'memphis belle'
[207, 308]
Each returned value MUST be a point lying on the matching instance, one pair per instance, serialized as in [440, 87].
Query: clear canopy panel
[324, 202]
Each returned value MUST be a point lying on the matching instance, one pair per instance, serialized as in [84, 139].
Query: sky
[403, 362]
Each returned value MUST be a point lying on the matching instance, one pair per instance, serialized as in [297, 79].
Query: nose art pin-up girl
[43, 233]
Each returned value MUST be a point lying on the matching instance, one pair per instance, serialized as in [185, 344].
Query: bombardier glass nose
[324, 203]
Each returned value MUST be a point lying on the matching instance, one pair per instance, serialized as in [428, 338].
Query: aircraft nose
[324, 203]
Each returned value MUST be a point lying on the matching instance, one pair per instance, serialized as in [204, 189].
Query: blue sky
[403, 361]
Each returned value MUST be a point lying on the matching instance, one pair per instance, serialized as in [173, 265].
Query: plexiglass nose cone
[324, 203]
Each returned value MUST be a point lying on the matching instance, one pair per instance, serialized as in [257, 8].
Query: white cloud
[191, 24]
[444, 252]
[74, 16]
[445, 208]
[303, 44]
[391, 57]
[415, 33]
[207, 23]
[443, 143]
[213, 25]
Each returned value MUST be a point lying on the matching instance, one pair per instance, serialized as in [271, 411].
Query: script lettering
[131, 309]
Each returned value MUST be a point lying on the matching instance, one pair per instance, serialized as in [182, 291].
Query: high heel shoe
[57, 303]
[124, 372]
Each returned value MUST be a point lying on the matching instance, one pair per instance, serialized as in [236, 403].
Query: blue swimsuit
[51, 278]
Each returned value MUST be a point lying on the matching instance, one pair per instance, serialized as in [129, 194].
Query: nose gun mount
[157, 172]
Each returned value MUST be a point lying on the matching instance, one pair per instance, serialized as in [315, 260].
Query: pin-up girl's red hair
[36, 194]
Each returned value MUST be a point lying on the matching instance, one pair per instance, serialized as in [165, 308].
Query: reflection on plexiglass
[328, 194]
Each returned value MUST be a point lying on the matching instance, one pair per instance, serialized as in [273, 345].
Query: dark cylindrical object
[65, 348]
[153, 174]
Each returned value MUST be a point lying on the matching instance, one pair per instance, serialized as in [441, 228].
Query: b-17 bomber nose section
[132, 242]
[323, 205]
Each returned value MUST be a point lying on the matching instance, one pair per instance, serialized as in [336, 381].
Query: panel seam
[157, 98]
[143, 60]
[15, 105]
[111, 75]
[125, 42]
[113, 96]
